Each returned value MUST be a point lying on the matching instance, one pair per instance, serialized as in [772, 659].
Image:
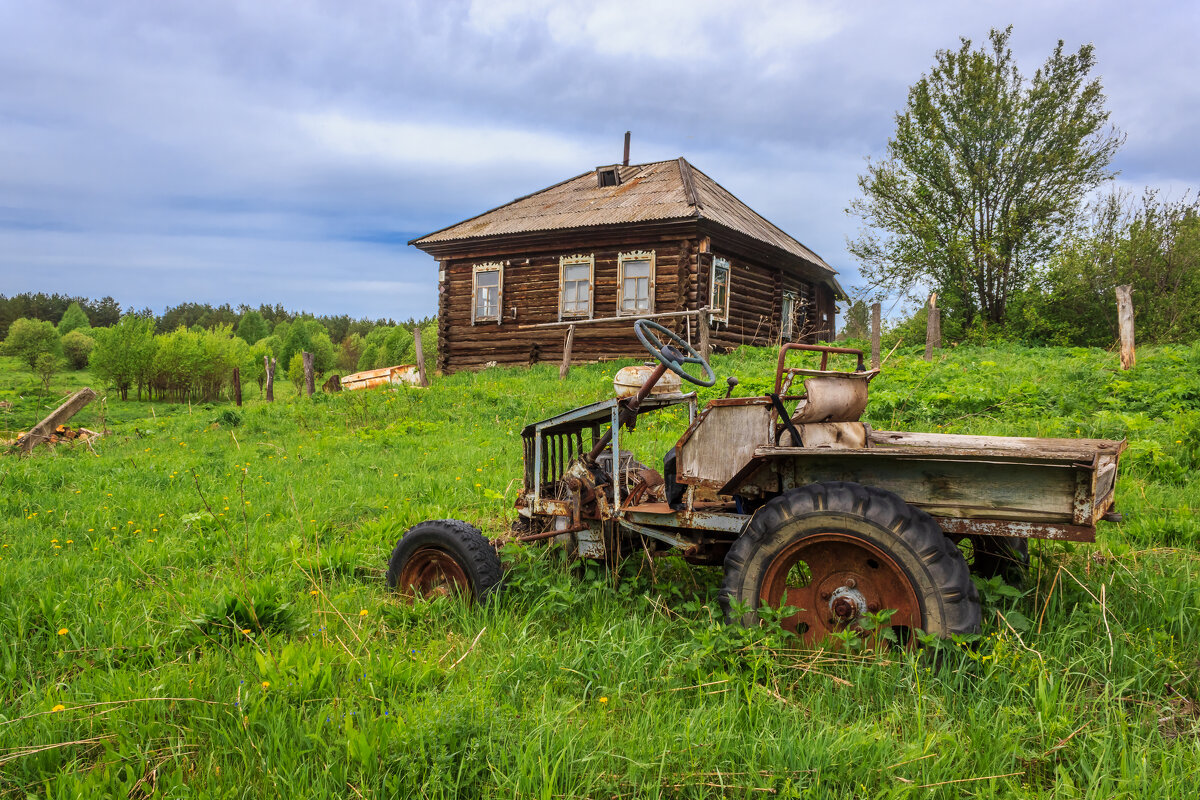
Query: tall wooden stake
[565, 367]
[1125, 324]
[309, 378]
[420, 357]
[705, 347]
[875, 325]
[269, 366]
[933, 328]
[237, 386]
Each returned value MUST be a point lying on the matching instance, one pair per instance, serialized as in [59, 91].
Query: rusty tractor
[802, 503]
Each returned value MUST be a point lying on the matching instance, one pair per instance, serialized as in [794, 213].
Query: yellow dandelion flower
[59, 707]
[603, 699]
[266, 684]
[314, 592]
[247, 630]
[362, 613]
[63, 631]
[70, 541]
[54, 541]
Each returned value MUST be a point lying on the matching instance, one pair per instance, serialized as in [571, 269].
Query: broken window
[635, 283]
[576, 287]
[486, 293]
[788, 316]
[718, 296]
[607, 176]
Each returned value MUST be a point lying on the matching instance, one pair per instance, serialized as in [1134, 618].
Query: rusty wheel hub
[836, 580]
[431, 572]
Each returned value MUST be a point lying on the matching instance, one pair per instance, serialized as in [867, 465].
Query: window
[718, 296]
[788, 316]
[635, 283]
[576, 287]
[486, 288]
[607, 176]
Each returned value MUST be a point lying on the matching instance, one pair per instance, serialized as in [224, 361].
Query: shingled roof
[663, 190]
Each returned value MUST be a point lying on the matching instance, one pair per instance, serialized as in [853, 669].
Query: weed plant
[195, 606]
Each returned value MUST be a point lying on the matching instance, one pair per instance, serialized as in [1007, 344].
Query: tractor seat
[833, 398]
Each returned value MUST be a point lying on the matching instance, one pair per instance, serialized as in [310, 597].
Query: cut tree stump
[420, 357]
[565, 367]
[308, 373]
[41, 432]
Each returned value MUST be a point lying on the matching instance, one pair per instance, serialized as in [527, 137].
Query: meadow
[194, 606]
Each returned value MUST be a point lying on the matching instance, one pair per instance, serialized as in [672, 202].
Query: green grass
[255, 651]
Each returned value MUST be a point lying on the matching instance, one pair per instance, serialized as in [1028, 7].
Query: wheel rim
[430, 572]
[836, 579]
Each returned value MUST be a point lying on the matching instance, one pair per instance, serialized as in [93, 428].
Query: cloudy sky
[285, 152]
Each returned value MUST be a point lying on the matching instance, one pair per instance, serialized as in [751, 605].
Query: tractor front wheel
[840, 552]
[444, 557]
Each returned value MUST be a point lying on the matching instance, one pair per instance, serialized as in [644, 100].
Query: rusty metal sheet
[958, 526]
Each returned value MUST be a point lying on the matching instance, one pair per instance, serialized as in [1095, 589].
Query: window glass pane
[576, 272]
[489, 278]
[789, 309]
[576, 296]
[637, 269]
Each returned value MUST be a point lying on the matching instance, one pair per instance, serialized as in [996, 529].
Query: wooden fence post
[705, 347]
[269, 365]
[237, 386]
[565, 367]
[875, 325]
[308, 373]
[933, 328]
[1125, 324]
[420, 357]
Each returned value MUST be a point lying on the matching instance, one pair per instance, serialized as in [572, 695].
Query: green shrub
[77, 348]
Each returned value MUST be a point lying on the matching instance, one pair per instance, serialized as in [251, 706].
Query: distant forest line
[105, 312]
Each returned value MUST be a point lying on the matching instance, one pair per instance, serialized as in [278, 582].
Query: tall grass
[202, 596]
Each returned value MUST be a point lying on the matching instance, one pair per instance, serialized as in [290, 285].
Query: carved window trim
[476, 271]
[719, 305]
[635, 256]
[571, 261]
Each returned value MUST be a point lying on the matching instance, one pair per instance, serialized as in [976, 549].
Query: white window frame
[787, 321]
[476, 270]
[569, 261]
[622, 260]
[718, 263]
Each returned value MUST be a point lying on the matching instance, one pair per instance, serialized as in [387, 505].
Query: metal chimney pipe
[626, 161]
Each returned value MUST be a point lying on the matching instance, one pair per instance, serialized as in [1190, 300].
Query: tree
[45, 368]
[73, 319]
[28, 339]
[307, 334]
[124, 353]
[77, 347]
[252, 327]
[983, 176]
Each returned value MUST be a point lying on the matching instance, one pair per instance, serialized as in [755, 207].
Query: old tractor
[803, 504]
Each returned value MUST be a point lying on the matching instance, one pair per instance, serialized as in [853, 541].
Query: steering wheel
[674, 354]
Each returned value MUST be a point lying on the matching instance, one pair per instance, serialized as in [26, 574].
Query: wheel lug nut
[873, 607]
[825, 595]
[851, 583]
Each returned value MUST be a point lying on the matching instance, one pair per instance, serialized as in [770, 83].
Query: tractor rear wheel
[444, 557]
[841, 551]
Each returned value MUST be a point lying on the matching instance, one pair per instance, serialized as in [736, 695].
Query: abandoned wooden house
[614, 244]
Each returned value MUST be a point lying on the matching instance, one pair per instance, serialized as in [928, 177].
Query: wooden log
[704, 323]
[875, 326]
[42, 431]
[1125, 324]
[237, 386]
[421, 376]
[933, 328]
[269, 365]
[309, 378]
[565, 367]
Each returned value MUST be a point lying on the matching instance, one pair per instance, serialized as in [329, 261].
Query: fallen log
[41, 432]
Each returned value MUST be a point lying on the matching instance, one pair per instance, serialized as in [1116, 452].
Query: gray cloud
[269, 152]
